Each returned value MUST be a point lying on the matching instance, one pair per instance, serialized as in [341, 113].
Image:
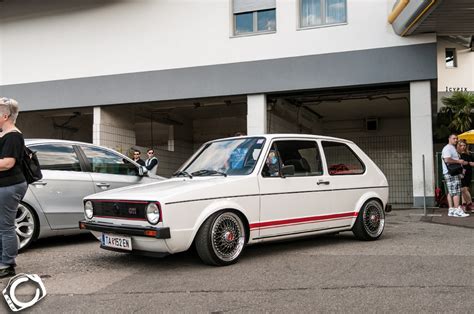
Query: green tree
[455, 116]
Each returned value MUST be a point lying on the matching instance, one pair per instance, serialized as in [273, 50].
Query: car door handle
[103, 185]
[39, 183]
[323, 182]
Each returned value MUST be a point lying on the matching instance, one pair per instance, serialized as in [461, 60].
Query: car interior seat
[301, 165]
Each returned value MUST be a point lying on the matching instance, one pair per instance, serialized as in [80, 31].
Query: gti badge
[132, 210]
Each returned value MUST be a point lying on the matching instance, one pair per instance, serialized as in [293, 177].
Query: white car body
[271, 208]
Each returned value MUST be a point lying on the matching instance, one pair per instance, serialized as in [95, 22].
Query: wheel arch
[368, 196]
[217, 209]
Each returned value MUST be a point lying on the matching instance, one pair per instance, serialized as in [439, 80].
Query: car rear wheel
[221, 239]
[370, 222]
[26, 225]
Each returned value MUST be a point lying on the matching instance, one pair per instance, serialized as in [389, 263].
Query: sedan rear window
[57, 157]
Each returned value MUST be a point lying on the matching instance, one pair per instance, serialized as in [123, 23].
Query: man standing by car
[137, 158]
[152, 162]
[453, 182]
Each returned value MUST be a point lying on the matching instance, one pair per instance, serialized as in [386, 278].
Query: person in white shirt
[453, 182]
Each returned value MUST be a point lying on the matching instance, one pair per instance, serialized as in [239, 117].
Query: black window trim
[352, 151]
[315, 140]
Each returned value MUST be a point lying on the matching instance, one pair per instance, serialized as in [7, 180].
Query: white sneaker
[451, 211]
[460, 213]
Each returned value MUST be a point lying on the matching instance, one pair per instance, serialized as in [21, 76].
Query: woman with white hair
[12, 184]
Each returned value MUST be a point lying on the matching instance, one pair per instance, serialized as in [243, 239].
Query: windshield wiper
[208, 172]
[182, 173]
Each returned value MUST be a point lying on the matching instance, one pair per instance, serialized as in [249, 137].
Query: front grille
[120, 209]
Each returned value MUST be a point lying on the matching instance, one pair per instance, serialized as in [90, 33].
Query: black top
[468, 168]
[140, 161]
[11, 146]
[150, 164]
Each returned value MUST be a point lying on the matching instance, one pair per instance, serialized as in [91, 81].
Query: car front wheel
[221, 239]
[370, 222]
[26, 226]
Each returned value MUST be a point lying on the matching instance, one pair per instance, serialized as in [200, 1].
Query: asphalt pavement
[415, 267]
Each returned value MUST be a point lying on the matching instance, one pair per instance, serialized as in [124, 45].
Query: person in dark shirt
[465, 155]
[151, 163]
[13, 185]
[137, 158]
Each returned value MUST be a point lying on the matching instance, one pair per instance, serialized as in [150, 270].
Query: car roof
[287, 135]
[31, 141]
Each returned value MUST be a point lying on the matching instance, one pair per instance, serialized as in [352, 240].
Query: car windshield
[227, 157]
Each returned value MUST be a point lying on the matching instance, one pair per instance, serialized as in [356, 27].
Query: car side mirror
[142, 171]
[288, 170]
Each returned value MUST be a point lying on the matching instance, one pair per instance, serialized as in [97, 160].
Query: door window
[341, 160]
[57, 157]
[103, 161]
[303, 155]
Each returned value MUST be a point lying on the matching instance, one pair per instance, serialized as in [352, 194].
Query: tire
[370, 222]
[221, 239]
[26, 225]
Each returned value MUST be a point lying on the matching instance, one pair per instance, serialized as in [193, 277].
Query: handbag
[30, 166]
[454, 169]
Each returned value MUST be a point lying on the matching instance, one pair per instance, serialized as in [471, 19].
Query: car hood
[182, 189]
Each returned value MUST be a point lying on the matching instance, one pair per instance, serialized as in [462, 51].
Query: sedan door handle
[39, 183]
[103, 185]
[323, 182]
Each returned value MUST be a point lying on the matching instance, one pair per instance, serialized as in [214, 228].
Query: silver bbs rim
[25, 225]
[227, 236]
[373, 219]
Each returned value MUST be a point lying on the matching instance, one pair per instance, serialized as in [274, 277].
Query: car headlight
[153, 213]
[89, 209]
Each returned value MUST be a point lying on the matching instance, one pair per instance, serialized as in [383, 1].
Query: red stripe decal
[268, 224]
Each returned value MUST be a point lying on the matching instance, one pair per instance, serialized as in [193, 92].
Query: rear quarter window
[341, 159]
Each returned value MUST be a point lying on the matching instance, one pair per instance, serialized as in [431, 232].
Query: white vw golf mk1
[244, 190]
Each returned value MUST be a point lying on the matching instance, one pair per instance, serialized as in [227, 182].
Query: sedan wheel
[26, 226]
[221, 239]
[370, 222]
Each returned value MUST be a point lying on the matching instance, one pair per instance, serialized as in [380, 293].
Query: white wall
[462, 75]
[53, 39]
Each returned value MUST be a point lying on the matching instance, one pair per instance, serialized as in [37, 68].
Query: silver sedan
[71, 170]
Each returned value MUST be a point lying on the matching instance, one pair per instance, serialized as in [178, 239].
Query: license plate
[116, 241]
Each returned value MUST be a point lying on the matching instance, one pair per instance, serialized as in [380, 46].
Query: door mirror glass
[288, 170]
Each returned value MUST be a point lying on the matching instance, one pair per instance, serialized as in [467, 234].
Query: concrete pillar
[256, 114]
[113, 128]
[421, 142]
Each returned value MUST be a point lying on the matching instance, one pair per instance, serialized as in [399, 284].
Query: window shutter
[253, 5]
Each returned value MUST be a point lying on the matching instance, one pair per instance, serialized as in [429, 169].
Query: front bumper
[157, 233]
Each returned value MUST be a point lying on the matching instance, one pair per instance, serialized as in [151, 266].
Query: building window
[254, 16]
[451, 61]
[322, 12]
